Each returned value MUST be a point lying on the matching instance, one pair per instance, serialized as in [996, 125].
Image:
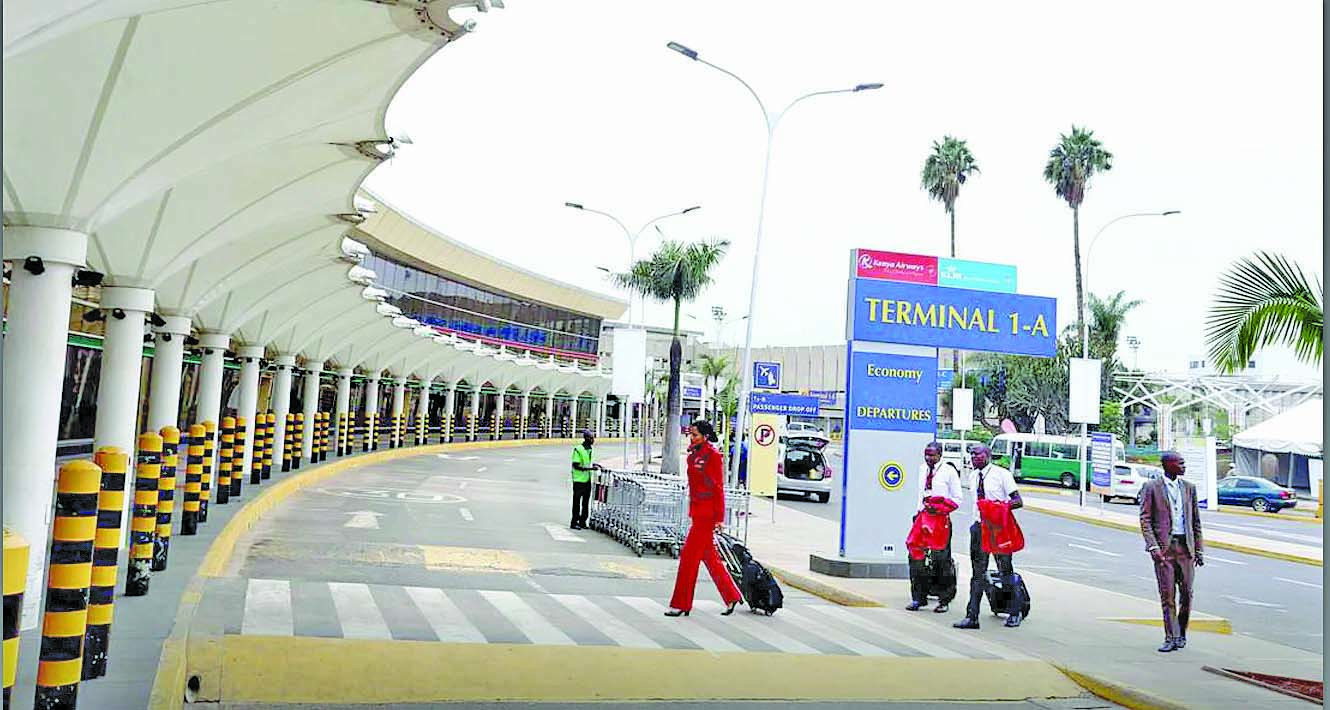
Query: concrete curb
[821, 589]
[169, 685]
[1295, 517]
[1124, 695]
[1218, 545]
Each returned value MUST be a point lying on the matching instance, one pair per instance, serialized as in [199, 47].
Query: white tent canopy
[1297, 431]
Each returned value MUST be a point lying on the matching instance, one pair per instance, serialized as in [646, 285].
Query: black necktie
[981, 484]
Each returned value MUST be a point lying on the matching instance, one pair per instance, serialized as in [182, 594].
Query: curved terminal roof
[212, 152]
[394, 233]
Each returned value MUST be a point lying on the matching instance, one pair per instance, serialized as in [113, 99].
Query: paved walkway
[1070, 624]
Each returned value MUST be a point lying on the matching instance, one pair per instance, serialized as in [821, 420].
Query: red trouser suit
[706, 507]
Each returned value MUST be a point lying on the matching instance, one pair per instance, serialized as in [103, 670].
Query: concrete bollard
[288, 440]
[60, 663]
[298, 448]
[209, 454]
[269, 436]
[142, 528]
[341, 435]
[15, 575]
[224, 455]
[166, 485]
[114, 463]
[238, 459]
[325, 441]
[256, 454]
[189, 516]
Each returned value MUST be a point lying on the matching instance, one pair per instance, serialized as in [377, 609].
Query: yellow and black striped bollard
[324, 440]
[269, 441]
[189, 517]
[114, 463]
[298, 442]
[166, 485]
[340, 442]
[238, 459]
[15, 576]
[209, 454]
[256, 452]
[144, 524]
[60, 664]
[224, 455]
[288, 438]
[363, 432]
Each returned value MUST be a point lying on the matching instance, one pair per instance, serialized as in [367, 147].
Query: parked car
[1263, 496]
[953, 453]
[801, 468]
[1128, 478]
[804, 429]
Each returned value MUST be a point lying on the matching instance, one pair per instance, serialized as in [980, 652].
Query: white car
[801, 468]
[804, 429]
[954, 454]
[1128, 478]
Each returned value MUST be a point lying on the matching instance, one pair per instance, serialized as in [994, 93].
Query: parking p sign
[766, 375]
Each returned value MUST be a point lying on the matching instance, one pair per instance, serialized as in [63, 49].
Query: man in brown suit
[1171, 524]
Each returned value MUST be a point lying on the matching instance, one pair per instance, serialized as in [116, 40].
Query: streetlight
[772, 120]
[1085, 327]
[1134, 343]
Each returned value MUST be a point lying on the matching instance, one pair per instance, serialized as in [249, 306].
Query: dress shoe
[676, 612]
[913, 606]
[1168, 646]
[941, 608]
[1013, 620]
[729, 610]
[967, 623]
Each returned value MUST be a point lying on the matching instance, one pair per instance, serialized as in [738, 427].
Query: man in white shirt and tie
[931, 573]
[991, 482]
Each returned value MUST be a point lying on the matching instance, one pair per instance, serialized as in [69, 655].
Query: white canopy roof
[1296, 431]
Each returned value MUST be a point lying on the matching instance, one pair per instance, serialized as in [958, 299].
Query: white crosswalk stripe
[268, 608]
[866, 615]
[447, 621]
[357, 613]
[562, 534]
[617, 631]
[696, 634]
[527, 620]
[813, 628]
[760, 628]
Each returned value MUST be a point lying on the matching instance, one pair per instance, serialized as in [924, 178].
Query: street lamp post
[772, 120]
[632, 258]
[1085, 331]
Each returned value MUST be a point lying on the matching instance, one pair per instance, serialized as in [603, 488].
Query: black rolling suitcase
[941, 575]
[760, 590]
[1000, 593]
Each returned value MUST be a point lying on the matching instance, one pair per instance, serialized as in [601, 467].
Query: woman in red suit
[706, 507]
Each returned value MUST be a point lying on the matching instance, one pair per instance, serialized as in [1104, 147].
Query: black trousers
[932, 575]
[581, 501]
[979, 571]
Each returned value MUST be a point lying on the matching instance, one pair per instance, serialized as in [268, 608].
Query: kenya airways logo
[866, 261]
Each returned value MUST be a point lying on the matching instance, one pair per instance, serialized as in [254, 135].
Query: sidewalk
[1218, 539]
[1071, 625]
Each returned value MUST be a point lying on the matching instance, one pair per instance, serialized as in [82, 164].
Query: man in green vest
[582, 468]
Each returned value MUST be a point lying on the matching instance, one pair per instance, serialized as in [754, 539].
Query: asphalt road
[1265, 598]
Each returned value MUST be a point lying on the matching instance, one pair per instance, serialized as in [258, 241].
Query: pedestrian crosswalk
[273, 607]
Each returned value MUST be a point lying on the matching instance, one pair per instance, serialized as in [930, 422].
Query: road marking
[457, 458]
[892, 632]
[1094, 549]
[762, 630]
[1312, 539]
[268, 608]
[1294, 581]
[466, 514]
[448, 621]
[698, 635]
[813, 628]
[357, 612]
[1209, 558]
[527, 620]
[616, 630]
[367, 519]
[473, 559]
[1252, 602]
[1077, 538]
[462, 486]
[562, 534]
[482, 469]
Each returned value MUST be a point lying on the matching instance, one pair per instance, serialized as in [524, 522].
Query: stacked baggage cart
[648, 511]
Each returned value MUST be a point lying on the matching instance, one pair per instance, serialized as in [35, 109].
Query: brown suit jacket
[1157, 516]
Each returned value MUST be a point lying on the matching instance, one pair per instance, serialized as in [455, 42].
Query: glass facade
[450, 305]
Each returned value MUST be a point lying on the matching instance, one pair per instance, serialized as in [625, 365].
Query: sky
[1213, 108]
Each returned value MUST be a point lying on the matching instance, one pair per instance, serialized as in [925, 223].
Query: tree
[1072, 162]
[945, 170]
[677, 272]
[1106, 319]
[1112, 419]
[714, 367]
[1263, 300]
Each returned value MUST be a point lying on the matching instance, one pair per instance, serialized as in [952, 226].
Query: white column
[498, 414]
[281, 404]
[343, 401]
[251, 357]
[372, 406]
[526, 414]
[475, 412]
[422, 411]
[33, 376]
[399, 406]
[122, 360]
[450, 401]
[168, 361]
[549, 415]
[602, 404]
[210, 380]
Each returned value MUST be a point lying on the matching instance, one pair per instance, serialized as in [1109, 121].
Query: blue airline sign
[914, 314]
[892, 392]
[977, 275]
[766, 375]
[789, 404]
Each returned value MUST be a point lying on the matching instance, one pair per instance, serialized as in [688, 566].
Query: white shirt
[946, 483]
[1175, 505]
[999, 484]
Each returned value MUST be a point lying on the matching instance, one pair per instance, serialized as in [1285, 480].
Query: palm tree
[677, 272]
[1106, 319]
[1264, 300]
[945, 170]
[714, 367]
[1072, 162]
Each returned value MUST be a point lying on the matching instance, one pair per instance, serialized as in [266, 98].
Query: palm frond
[1264, 300]
[1073, 161]
[946, 169]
